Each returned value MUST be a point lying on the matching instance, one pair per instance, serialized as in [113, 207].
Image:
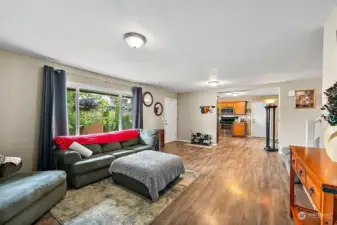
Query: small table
[318, 174]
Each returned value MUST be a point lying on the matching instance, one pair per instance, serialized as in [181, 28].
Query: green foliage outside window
[96, 108]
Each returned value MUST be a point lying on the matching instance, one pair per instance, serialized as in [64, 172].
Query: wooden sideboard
[162, 138]
[318, 174]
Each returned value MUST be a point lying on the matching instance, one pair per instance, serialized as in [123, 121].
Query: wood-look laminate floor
[239, 184]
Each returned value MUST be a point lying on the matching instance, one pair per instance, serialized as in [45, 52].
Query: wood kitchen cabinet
[240, 108]
[239, 129]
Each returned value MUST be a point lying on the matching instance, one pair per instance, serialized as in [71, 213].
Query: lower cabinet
[239, 129]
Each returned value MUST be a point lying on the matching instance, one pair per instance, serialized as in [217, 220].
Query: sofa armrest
[8, 169]
[67, 157]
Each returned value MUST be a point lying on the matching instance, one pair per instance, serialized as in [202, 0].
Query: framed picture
[305, 99]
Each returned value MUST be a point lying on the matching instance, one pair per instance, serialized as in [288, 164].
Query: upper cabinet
[240, 108]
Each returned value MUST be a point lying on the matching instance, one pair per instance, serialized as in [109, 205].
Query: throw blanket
[64, 142]
[153, 169]
[15, 160]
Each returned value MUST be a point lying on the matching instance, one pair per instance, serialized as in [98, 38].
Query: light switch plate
[291, 93]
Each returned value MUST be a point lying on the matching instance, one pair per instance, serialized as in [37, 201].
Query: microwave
[227, 110]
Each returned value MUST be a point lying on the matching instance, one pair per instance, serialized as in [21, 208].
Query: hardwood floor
[239, 184]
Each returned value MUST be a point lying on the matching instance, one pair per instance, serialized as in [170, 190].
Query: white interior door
[170, 119]
[258, 119]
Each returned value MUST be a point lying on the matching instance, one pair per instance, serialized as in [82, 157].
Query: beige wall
[293, 121]
[249, 100]
[190, 117]
[330, 52]
[20, 89]
[329, 60]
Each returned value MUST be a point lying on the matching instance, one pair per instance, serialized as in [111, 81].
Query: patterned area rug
[107, 203]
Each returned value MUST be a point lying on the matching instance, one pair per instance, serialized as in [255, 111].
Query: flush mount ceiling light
[134, 40]
[214, 83]
[234, 93]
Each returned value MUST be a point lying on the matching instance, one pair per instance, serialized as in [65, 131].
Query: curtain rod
[105, 81]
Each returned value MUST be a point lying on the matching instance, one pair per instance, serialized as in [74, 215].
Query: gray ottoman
[147, 172]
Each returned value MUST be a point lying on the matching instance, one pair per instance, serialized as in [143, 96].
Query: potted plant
[330, 115]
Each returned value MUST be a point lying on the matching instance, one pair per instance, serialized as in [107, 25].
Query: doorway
[258, 119]
[170, 119]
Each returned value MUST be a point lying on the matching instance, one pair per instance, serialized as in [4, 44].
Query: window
[126, 111]
[95, 112]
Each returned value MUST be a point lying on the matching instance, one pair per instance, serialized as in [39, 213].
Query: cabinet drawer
[314, 192]
[300, 172]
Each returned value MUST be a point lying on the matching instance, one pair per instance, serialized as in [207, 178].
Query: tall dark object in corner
[53, 118]
[137, 108]
[268, 108]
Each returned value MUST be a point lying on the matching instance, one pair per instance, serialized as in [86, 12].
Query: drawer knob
[311, 191]
[300, 173]
[293, 161]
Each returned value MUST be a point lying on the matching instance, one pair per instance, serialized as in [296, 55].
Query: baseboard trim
[183, 141]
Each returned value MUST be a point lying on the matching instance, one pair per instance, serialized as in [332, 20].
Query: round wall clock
[158, 109]
[147, 99]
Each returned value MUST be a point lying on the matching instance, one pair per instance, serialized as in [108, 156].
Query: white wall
[329, 60]
[292, 121]
[191, 118]
[329, 52]
[20, 91]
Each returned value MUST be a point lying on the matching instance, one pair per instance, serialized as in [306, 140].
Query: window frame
[97, 90]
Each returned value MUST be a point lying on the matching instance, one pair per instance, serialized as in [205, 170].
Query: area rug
[198, 146]
[106, 203]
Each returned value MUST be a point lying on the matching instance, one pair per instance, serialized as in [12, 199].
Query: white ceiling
[247, 42]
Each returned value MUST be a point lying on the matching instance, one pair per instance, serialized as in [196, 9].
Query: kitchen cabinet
[240, 108]
[239, 129]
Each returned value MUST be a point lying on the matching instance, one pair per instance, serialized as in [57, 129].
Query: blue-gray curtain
[137, 108]
[53, 118]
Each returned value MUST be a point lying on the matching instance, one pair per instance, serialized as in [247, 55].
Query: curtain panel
[137, 108]
[53, 118]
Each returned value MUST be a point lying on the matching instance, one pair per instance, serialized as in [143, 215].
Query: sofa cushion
[21, 190]
[139, 148]
[148, 137]
[120, 153]
[134, 141]
[111, 146]
[94, 162]
[95, 148]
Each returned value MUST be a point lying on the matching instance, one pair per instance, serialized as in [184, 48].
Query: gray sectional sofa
[25, 197]
[83, 171]
[286, 162]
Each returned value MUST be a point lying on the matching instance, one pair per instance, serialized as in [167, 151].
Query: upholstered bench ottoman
[147, 172]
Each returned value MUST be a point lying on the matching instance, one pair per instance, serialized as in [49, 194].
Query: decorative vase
[330, 142]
